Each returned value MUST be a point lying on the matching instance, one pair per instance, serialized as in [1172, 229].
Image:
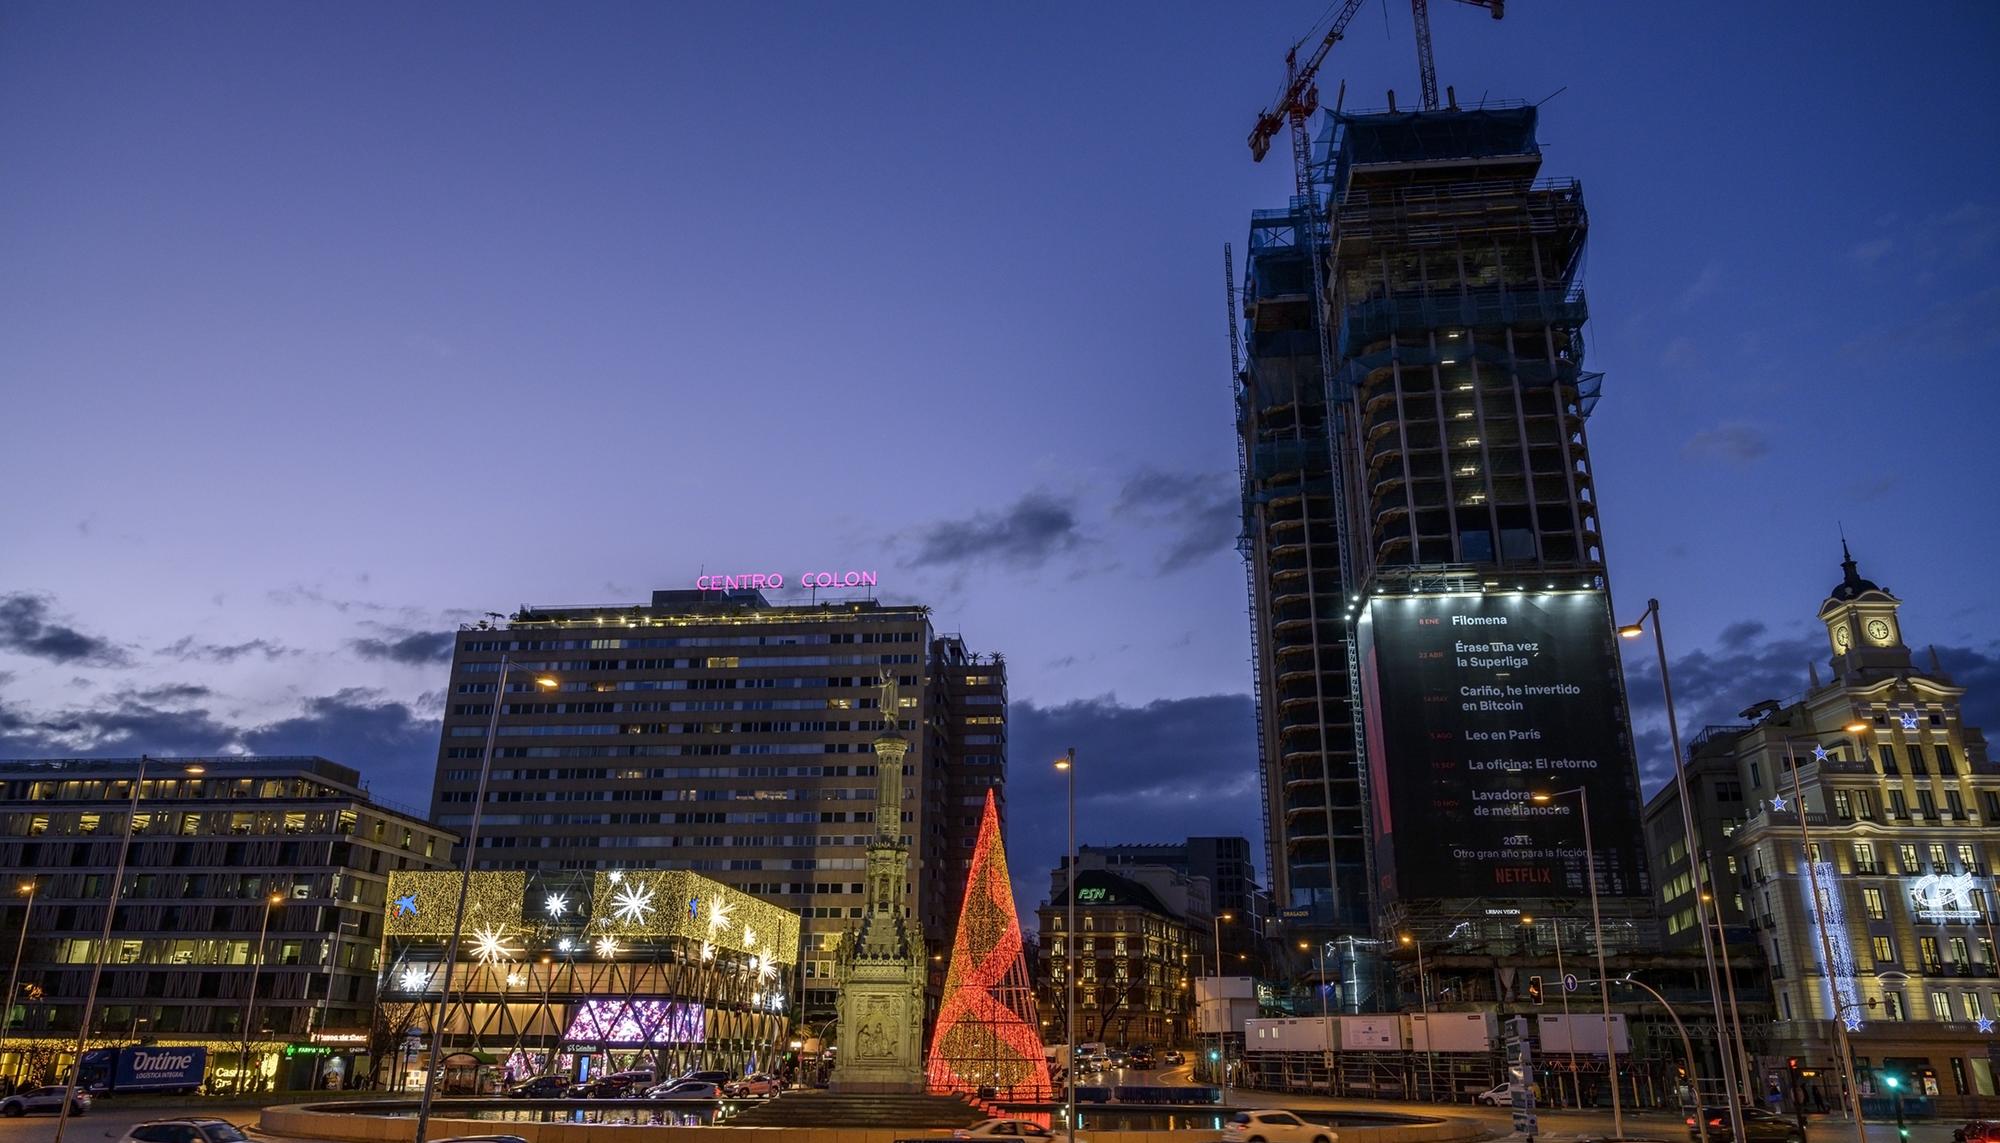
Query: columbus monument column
[881, 965]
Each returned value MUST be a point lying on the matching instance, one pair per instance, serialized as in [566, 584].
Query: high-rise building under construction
[1417, 482]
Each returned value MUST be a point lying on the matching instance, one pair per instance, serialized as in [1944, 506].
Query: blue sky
[323, 327]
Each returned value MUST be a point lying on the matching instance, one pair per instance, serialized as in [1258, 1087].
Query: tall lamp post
[26, 888]
[1597, 922]
[1067, 764]
[1820, 911]
[1221, 1023]
[250, 1005]
[1320, 958]
[1695, 870]
[464, 885]
[1424, 1002]
[104, 938]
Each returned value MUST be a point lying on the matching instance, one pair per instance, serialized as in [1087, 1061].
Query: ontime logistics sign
[1475, 705]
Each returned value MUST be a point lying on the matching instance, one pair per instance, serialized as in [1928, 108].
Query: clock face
[1878, 630]
[1840, 636]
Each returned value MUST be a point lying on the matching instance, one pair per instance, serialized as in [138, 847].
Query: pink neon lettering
[776, 580]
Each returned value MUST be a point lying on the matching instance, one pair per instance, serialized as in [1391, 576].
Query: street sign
[1521, 1078]
[1569, 982]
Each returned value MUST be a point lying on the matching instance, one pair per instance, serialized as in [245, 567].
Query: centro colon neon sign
[758, 581]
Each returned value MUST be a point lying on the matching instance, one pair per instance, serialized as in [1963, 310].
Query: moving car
[49, 1099]
[718, 1078]
[1275, 1127]
[541, 1087]
[1173, 1058]
[1117, 1057]
[1499, 1096]
[1977, 1131]
[190, 1130]
[1759, 1126]
[1011, 1129]
[684, 1089]
[756, 1083]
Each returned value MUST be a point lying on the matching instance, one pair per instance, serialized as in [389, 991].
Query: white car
[1275, 1127]
[183, 1131]
[1498, 1097]
[685, 1089]
[1011, 1129]
[756, 1083]
[49, 1099]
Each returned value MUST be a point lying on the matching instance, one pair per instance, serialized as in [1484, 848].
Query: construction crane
[1300, 97]
[1420, 14]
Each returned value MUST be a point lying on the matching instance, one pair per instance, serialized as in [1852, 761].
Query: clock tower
[1861, 624]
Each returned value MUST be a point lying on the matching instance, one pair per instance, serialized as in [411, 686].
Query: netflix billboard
[1476, 702]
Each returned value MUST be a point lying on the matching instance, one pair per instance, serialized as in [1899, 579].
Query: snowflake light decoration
[565, 945]
[414, 979]
[749, 937]
[490, 944]
[514, 980]
[768, 970]
[607, 947]
[718, 913]
[707, 951]
[556, 904]
[615, 876]
[633, 903]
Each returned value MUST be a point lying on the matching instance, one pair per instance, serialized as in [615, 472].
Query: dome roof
[1851, 585]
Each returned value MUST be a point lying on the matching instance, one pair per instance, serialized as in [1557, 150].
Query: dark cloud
[186, 650]
[1732, 442]
[1204, 511]
[1027, 534]
[415, 648]
[389, 742]
[299, 594]
[26, 628]
[1169, 769]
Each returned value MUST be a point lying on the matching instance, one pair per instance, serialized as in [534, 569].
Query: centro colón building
[717, 732]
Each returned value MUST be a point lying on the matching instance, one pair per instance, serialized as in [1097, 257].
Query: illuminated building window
[1973, 1010]
[1940, 1005]
[1892, 1005]
[1864, 857]
[1871, 900]
[1908, 854]
[1884, 948]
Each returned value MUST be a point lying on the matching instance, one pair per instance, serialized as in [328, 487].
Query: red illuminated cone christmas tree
[987, 1034]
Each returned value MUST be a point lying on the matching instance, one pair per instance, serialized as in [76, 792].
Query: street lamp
[1067, 764]
[1221, 1023]
[546, 682]
[1597, 922]
[1700, 1112]
[104, 938]
[26, 888]
[1424, 1002]
[1820, 910]
[1696, 869]
[250, 1005]
[1320, 954]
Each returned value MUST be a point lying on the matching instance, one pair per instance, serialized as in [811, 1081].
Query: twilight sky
[325, 327]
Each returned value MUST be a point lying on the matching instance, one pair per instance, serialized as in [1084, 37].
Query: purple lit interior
[636, 1022]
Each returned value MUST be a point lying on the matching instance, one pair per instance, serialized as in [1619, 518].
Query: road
[107, 1121]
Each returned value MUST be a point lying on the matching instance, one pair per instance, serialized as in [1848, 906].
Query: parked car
[1142, 1059]
[49, 1099]
[1275, 1127]
[605, 1088]
[684, 1089]
[541, 1087]
[756, 1083]
[1499, 1096]
[183, 1131]
[718, 1078]
[1977, 1131]
[1759, 1126]
[1173, 1058]
[641, 1078]
[1010, 1129]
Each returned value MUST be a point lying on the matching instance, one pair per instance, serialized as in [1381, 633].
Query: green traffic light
[1892, 1081]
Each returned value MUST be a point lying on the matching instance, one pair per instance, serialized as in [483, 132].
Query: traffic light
[1534, 990]
[1893, 1082]
[1214, 1055]
[1792, 1063]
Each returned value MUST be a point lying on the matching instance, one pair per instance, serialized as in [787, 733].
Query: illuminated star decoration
[1985, 1025]
[565, 944]
[414, 979]
[513, 980]
[718, 913]
[1778, 804]
[1819, 753]
[749, 937]
[707, 951]
[633, 903]
[556, 904]
[607, 947]
[490, 945]
[768, 969]
[406, 905]
[1853, 1023]
[615, 876]
[1909, 720]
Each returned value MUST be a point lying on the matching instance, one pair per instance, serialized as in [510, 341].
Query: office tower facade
[1861, 857]
[1434, 453]
[209, 851]
[720, 733]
